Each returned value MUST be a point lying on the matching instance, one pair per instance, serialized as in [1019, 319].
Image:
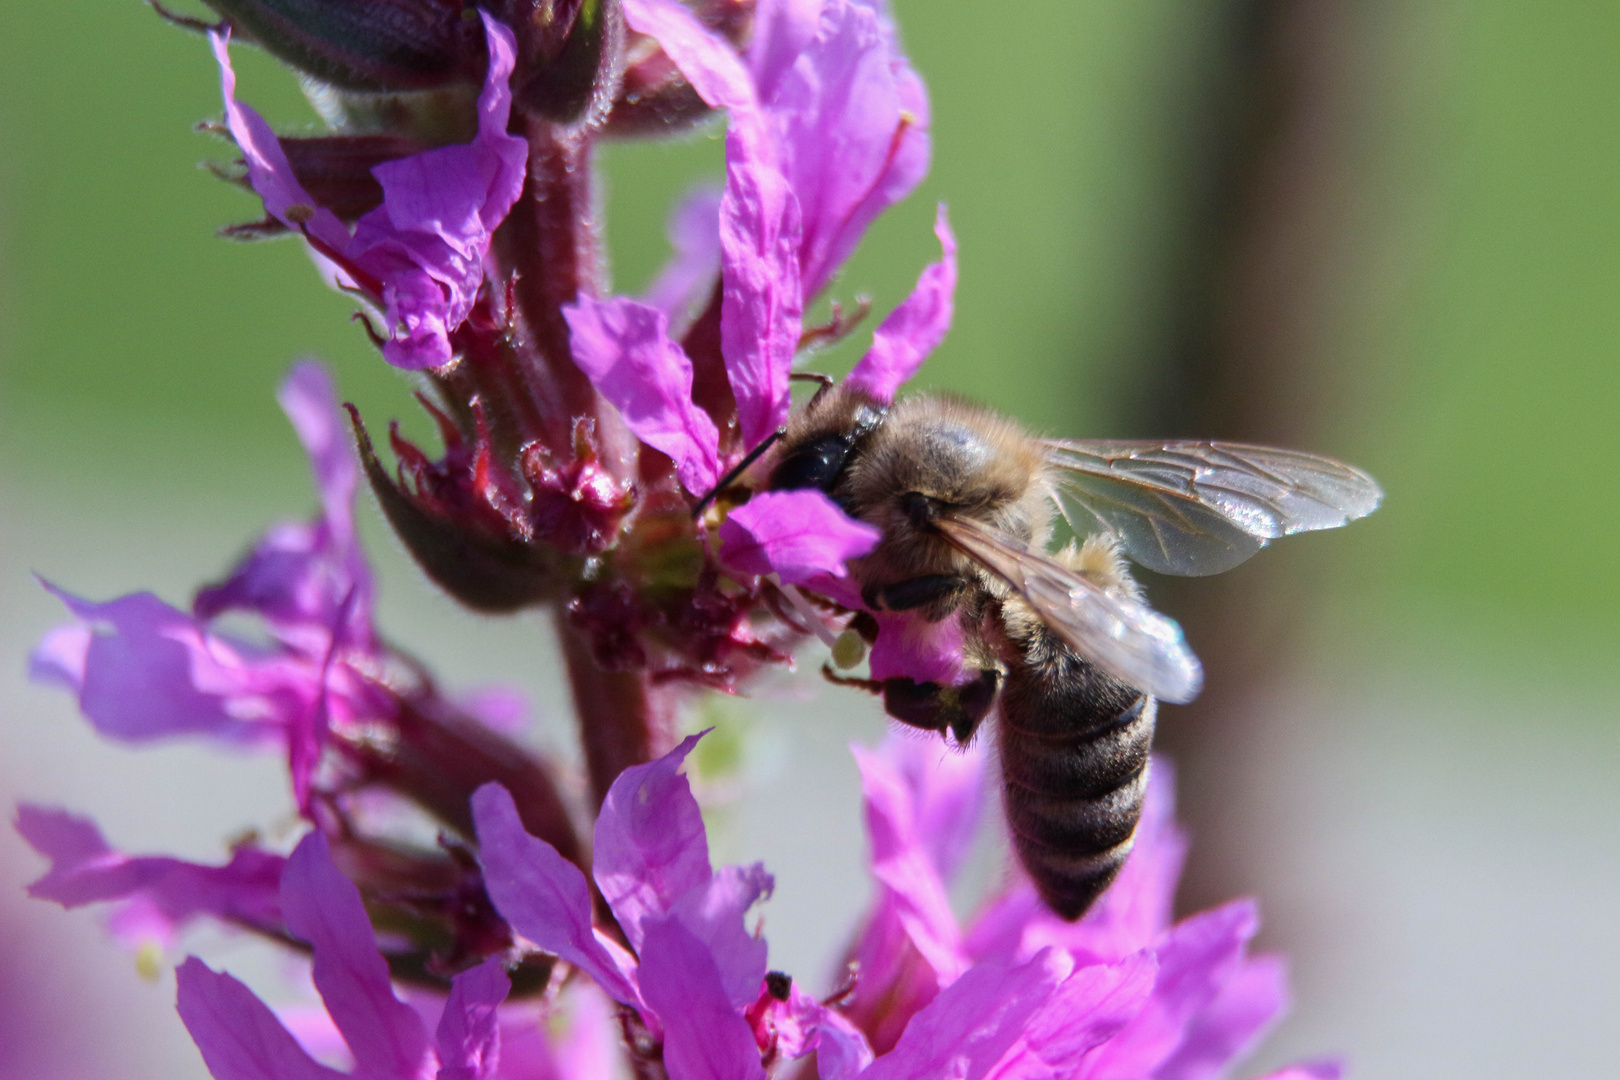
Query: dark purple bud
[366, 45]
[577, 504]
[569, 57]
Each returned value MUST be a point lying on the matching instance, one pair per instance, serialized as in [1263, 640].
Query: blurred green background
[1424, 253]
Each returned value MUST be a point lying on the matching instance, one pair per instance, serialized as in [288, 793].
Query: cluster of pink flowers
[581, 432]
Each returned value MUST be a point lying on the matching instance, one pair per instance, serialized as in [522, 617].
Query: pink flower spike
[796, 535]
[543, 895]
[915, 328]
[1315, 1070]
[705, 1038]
[323, 908]
[469, 1038]
[650, 847]
[623, 347]
[238, 1035]
[160, 895]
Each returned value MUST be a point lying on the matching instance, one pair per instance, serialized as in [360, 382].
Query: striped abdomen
[1074, 754]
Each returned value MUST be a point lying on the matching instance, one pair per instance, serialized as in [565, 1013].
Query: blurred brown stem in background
[1245, 300]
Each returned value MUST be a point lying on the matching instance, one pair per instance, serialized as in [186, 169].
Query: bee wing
[1130, 641]
[1196, 508]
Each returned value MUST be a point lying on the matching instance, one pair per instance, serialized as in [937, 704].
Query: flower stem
[622, 720]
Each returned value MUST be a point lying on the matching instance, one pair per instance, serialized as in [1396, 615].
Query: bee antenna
[737, 470]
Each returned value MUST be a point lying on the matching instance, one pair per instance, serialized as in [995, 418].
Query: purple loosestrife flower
[420, 255]
[242, 1039]
[143, 670]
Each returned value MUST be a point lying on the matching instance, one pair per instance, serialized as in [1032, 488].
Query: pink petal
[1232, 1025]
[794, 534]
[1196, 960]
[623, 347]
[850, 120]
[914, 329]
[170, 892]
[650, 846]
[910, 647]
[966, 1029]
[542, 894]
[705, 1038]
[1315, 1070]
[323, 908]
[761, 303]
[904, 869]
[714, 914]
[238, 1035]
[269, 172]
[688, 278]
[301, 577]
[782, 30]
[143, 670]
[1089, 1008]
[469, 1040]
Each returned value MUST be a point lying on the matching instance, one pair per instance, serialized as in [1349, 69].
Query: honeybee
[966, 501]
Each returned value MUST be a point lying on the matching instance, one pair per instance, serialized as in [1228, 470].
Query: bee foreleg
[931, 590]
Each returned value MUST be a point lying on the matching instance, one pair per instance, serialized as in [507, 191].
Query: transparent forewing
[1202, 507]
[1130, 641]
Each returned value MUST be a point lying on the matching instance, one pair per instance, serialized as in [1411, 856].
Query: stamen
[812, 617]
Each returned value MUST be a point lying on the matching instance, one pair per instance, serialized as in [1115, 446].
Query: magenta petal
[428, 240]
[761, 303]
[623, 347]
[542, 894]
[914, 329]
[782, 30]
[714, 914]
[238, 1035]
[1091, 1006]
[902, 866]
[143, 670]
[1196, 960]
[794, 534]
[301, 577]
[650, 847]
[946, 790]
[85, 870]
[1314, 1070]
[1231, 1025]
[269, 172]
[705, 1038]
[910, 647]
[850, 119]
[323, 908]
[469, 1038]
[688, 278]
[707, 61]
[964, 1031]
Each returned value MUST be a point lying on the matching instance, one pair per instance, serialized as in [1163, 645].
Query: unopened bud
[365, 45]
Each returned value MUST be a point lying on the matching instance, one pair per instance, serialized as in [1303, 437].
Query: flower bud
[569, 57]
[365, 45]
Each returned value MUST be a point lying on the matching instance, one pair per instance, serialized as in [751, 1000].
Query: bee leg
[871, 686]
[935, 591]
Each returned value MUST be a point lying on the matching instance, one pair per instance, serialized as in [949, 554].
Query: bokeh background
[1385, 230]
